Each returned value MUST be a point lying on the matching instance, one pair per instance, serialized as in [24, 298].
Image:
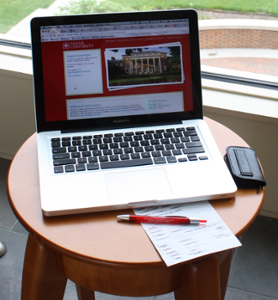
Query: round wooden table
[100, 254]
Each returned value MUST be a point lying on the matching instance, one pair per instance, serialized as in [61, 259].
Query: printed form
[179, 243]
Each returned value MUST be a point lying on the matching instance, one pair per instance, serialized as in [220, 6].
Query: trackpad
[134, 186]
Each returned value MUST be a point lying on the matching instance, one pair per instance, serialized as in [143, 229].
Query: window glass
[235, 35]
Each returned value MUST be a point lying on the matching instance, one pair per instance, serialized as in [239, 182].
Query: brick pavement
[266, 66]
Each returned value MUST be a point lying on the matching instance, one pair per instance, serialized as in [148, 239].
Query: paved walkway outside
[266, 66]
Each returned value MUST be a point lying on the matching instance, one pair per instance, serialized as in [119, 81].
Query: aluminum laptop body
[118, 106]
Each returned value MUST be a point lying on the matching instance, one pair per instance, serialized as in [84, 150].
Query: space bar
[126, 163]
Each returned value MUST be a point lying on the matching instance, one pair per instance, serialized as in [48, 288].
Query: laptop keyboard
[126, 149]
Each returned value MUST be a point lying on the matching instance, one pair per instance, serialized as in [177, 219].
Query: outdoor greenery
[100, 6]
[13, 11]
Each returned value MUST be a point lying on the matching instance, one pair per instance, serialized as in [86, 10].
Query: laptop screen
[107, 70]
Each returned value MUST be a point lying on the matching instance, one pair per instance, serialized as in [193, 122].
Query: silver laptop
[118, 107]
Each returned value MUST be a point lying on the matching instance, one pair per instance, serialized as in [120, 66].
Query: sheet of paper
[179, 243]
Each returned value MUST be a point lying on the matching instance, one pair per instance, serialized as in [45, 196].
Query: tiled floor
[253, 276]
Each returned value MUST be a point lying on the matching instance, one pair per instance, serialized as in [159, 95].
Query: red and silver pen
[158, 219]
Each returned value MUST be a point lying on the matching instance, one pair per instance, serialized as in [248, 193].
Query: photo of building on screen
[148, 66]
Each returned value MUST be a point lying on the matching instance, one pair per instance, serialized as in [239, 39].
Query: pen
[158, 219]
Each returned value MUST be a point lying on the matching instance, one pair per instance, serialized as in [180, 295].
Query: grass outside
[94, 6]
[13, 11]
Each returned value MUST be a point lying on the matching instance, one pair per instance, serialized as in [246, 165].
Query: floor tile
[233, 294]
[255, 265]
[11, 265]
[7, 217]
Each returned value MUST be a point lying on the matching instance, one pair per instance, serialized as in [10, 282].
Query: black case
[245, 167]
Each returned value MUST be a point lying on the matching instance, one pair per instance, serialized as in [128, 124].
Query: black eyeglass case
[245, 167]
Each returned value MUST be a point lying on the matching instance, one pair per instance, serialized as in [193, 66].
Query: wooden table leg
[84, 294]
[41, 279]
[201, 280]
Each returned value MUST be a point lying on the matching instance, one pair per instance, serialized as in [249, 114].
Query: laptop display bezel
[119, 122]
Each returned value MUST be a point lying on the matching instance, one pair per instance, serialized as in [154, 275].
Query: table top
[98, 237]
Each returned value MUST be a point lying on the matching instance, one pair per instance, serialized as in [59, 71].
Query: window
[238, 38]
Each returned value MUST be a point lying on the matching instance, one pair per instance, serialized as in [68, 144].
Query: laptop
[118, 106]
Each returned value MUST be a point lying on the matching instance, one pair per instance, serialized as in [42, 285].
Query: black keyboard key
[65, 161]
[66, 143]
[124, 156]
[114, 145]
[203, 157]
[69, 168]
[72, 149]
[128, 150]
[193, 150]
[92, 166]
[55, 144]
[87, 142]
[189, 133]
[177, 152]
[171, 159]
[166, 153]
[59, 150]
[114, 157]
[124, 145]
[80, 167]
[182, 159]
[159, 160]
[107, 140]
[193, 144]
[180, 146]
[134, 144]
[126, 163]
[155, 142]
[76, 143]
[129, 133]
[97, 141]
[118, 151]
[93, 147]
[60, 155]
[190, 128]
[145, 143]
[135, 155]
[170, 130]
[145, 154]
[180, 129]
[138, 149]
[117, 139]
[87, 137]
[149, 148]
[168, 134]
[103, 158]
[118, 134]
[55, 140]
[58, 169]
[86, 153]
[75, 154]
[156, 153]
[66, 139]
[185, 139]
[92, 159]
[96, 152]
[82, 148]
[82, 160]
[195, 138]
[169, 147]
[75, 138]
[175, 140]
[159, 147]
[192, 157]
[107, 152]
